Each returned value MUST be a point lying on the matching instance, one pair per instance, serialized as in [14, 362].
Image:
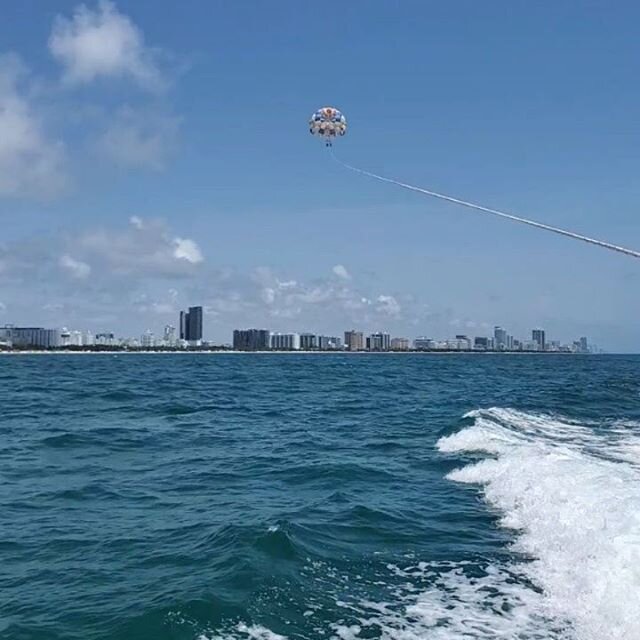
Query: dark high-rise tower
[191, 324]
[183, 325]
[537, 336]
[194, 324]
[251, 339]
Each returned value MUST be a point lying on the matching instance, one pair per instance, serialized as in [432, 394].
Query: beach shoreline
[270, 352]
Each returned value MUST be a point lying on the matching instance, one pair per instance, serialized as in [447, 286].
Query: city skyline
[190, 335]
[125, 195]
[189, 330]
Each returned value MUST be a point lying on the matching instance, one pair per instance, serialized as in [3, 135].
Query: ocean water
[277, 497]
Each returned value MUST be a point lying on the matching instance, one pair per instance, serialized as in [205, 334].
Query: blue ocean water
[266, 496]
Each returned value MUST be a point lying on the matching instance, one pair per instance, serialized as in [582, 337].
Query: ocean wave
[183, 511]
[573, 499]
[424, 601]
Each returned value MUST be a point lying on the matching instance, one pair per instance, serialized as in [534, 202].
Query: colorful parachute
[328, 123]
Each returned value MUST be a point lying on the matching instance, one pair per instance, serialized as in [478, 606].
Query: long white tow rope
[494, 212]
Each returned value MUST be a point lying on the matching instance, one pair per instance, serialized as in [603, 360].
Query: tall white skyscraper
[147, 339]
[169, 335]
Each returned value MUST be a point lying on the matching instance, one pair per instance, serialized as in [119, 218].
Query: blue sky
[155, 155]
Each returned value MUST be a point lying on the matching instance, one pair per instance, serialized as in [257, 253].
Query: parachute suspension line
[494, 212]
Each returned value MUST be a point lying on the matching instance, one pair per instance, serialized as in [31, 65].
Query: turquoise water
[319, 496]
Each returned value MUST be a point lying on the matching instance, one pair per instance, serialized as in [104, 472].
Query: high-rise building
[463, 342]
[68, 338]
[480, 343]
[584, 345]
[308, 341]
[399, 344]
[329, 343]
[169, 336]
[500, 338]
[538, 336]
[422, 343]
[354, 340]
[33, 337]
[194, 324]
[183, 325]
[251, 339]
[105, 339]
[147, 340]
[379, 342]
[5, 334]
[76, 338]
[285, 341]
[191, 325]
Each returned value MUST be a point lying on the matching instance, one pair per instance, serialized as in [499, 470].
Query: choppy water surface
[270, 497]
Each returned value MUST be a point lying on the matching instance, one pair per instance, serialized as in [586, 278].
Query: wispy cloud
[139, 139]
[187, 249]
[145, 248]
[103, 43]
[76, 268]
[143, 273]
[31, 162]
[95, 42]
[388, 305]
[341, 271]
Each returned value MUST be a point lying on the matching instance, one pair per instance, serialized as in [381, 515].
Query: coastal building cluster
[265, 340]
[189, 331]
[188, 334]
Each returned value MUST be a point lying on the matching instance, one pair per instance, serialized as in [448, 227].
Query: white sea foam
[574, 499]
[455, 605]
[432, 601]
[246, 632]
[571, 494]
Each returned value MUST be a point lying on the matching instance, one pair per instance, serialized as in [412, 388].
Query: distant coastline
[18, 352]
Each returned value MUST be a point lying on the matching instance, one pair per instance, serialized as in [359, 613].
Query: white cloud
[3, 307]
[144, 248]
[330, 299]
[103, 43]
[77, 268]
[53, 306]
[186, 249]
[388, 305]
[30, 163]
[316, 295]
[341, 272]
[268, 295]
[139, 140]
[142, 268]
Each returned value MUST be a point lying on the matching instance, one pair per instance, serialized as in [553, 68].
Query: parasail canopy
[328, 123]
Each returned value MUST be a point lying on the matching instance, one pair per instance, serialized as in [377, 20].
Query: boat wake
[571, 492]
[571, 495]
